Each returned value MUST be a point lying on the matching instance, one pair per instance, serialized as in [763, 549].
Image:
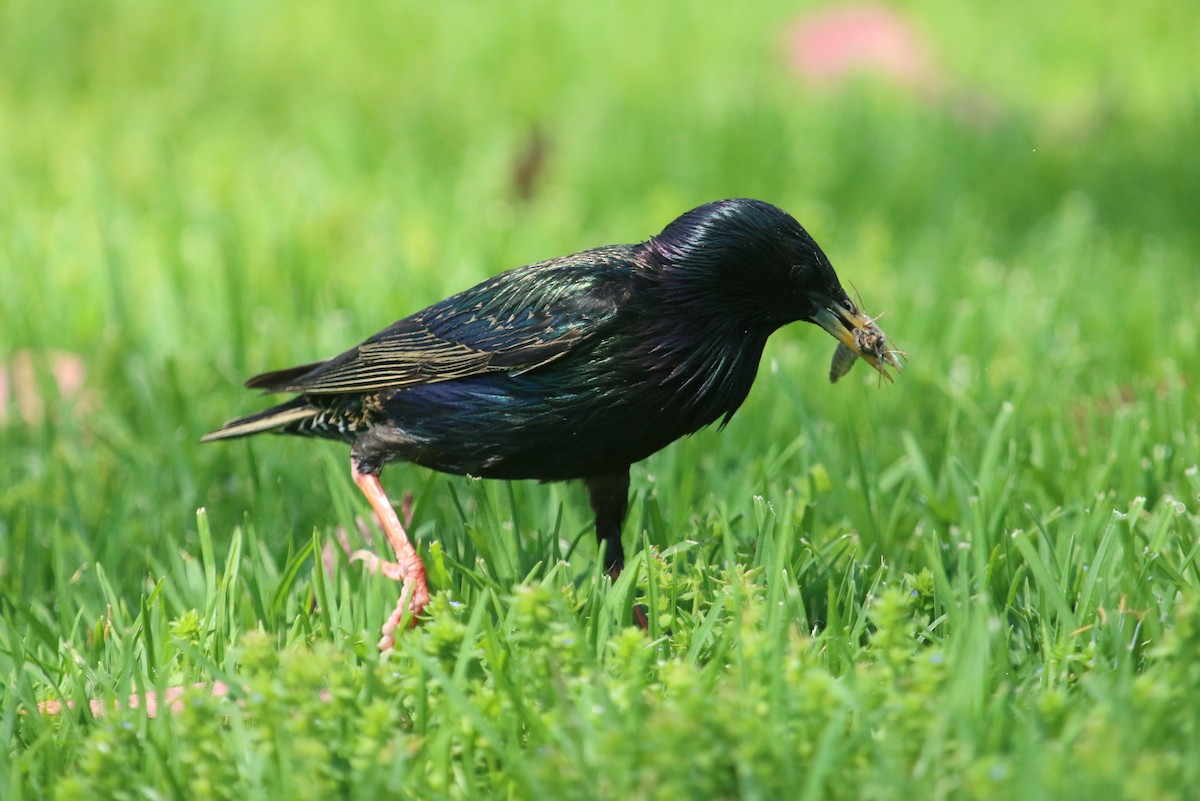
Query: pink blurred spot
[829, 46]
[172, 699]
[21, 383]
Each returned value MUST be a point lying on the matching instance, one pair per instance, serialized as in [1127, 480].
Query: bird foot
[414, 597]
[407, 569]
[374, 565]
[414, 593]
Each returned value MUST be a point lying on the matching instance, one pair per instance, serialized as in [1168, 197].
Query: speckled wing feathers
[515, 322]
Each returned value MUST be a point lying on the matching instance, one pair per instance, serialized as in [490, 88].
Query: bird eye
[802, 275]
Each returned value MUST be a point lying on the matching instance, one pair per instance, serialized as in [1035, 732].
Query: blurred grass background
[920, 589]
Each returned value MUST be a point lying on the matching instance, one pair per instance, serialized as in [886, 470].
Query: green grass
[982, 581]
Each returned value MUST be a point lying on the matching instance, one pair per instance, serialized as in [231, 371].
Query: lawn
[981, 581]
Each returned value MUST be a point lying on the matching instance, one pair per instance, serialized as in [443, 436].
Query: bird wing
[514, 322]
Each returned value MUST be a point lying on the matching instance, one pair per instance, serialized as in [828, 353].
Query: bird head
[762, 269]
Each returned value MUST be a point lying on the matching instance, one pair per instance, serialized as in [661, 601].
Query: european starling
[572, 368]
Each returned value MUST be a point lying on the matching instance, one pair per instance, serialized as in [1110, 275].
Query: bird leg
[609, 497]
[407, 568]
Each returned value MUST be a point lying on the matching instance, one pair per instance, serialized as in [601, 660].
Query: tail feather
[277, 417]
[280, 380]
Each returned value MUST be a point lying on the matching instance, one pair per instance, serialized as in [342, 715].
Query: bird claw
[413, 600]
[414, 593]
[375, 565]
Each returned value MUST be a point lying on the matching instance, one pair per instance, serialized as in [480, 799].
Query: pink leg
[407, 568]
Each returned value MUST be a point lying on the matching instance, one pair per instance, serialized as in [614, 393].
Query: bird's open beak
[860, 335]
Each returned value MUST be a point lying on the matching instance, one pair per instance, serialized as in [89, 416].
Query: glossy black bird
[572, 368]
